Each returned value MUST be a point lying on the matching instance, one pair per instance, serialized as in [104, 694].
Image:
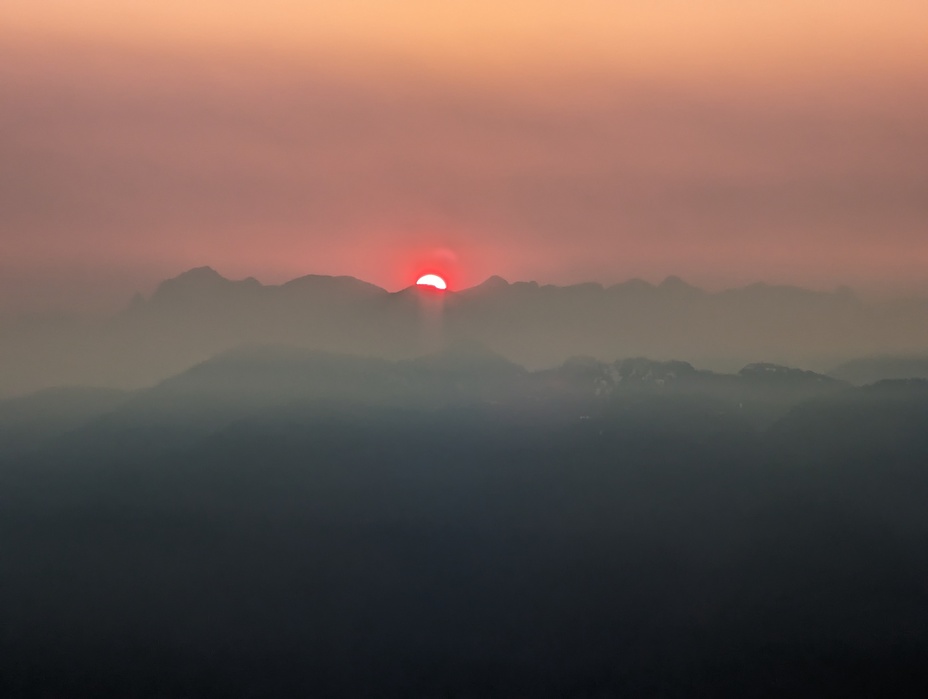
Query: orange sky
[727, 142]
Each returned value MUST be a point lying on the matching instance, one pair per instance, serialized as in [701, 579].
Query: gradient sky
[726, 142]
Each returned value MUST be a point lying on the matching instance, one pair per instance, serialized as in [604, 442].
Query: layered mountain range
[266, 383]
[200, 314]
[308, 486]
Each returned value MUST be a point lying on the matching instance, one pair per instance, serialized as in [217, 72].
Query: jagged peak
[200, 281]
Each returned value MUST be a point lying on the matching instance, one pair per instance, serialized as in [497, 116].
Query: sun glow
[432, 280]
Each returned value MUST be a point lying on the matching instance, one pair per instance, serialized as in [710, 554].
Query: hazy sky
[723, 141]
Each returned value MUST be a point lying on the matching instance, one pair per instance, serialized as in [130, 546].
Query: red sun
[432, 280]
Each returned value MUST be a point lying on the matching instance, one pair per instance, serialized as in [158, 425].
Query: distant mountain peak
[199, 274]
[200, 282]
[494, 282]
[196, 278]
[677, 285]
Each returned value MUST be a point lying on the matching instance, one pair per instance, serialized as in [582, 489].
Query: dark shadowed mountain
[271, 520]
[201, 314]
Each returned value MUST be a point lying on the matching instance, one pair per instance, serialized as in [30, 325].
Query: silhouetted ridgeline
[287, 522]
[200, 314]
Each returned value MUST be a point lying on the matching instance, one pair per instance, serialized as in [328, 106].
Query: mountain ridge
[248, 380]
[206, 275]
[201, 313]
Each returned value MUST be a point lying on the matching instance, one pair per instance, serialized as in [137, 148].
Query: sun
[432, 280]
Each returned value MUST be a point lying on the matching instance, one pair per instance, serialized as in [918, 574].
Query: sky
[727, 142]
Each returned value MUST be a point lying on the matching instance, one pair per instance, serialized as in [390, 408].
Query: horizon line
[672, 280]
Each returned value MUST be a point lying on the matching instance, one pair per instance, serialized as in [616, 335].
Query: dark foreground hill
[288, 523]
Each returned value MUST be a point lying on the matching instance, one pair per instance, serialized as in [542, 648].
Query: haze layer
[727, 142]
